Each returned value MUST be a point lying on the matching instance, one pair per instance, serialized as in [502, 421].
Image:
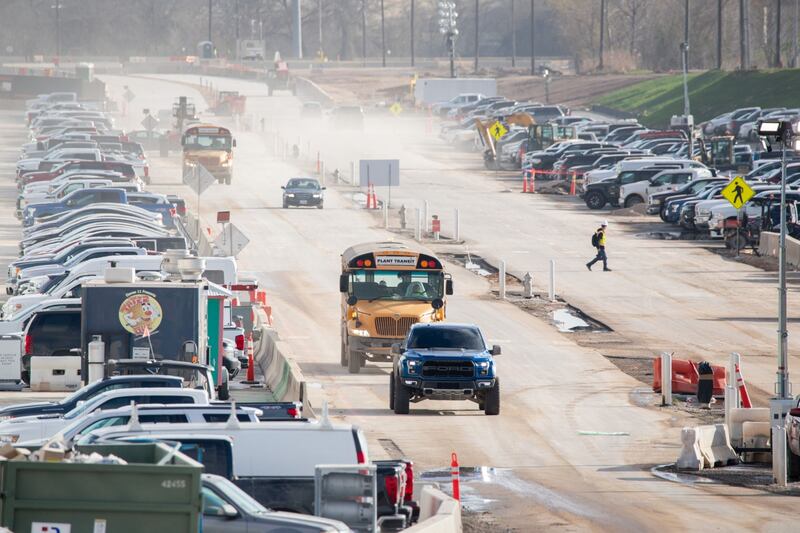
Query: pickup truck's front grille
[386, 326]
[448, 369]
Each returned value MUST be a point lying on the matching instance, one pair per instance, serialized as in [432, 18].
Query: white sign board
[231, 240]
[395, 260]
[198, 178]
[50, 527]
[10, 369]
[379, 172]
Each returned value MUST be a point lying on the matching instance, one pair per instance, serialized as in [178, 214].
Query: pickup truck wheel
[492, 399]
[633, 200]
[354, 362]
[223, 391]
[794, 465]
[595, 200]
[391, 390]
[663, 214]
[401, 398]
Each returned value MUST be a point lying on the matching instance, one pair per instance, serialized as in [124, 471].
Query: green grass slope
[710, 93]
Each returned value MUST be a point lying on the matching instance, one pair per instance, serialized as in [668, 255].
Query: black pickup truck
[600, 193]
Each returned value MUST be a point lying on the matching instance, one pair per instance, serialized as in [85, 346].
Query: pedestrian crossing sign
[497, 130]
[738, 192]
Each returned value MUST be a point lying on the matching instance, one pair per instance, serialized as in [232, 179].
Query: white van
[219, 270]
[274, 462]
[637, 163]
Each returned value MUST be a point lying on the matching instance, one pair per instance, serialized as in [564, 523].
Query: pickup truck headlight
[655, 201]
[290, 195]
[360, 332]
[483, 367]
[317, 195]
[413, 365]
[9, 439]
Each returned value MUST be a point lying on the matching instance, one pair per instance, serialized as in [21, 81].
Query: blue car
[444, 361]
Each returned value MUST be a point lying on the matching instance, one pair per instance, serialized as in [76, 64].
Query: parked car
[88, 392]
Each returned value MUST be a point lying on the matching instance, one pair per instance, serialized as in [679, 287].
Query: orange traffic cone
[743, 394]
[572, 185]
[525, 181]
[455, 475]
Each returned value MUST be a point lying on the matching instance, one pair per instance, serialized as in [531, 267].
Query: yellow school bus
[387, 287]
[210, 146]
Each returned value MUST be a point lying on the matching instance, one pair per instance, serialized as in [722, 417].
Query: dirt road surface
[576, 438]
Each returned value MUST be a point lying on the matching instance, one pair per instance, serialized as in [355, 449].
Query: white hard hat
[605, 223]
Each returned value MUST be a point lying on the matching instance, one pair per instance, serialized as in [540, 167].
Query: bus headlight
[360, 332]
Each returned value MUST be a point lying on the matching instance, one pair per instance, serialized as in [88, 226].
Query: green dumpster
[158, 490]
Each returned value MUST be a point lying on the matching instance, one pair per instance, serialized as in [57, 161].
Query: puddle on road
[566, 322]
[474, 479]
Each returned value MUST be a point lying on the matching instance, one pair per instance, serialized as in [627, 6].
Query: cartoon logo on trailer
[140, 313]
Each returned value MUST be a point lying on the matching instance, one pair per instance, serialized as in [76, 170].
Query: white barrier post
[425, 214]
[418, 228]
[385, 215]
[733, 364]
[353, 173]
[322, 172]
[502, 280]
[551, 289]
[457, 231]
[666, 378]
[779, 455]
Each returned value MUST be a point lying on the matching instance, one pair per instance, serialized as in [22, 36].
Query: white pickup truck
[666, 180]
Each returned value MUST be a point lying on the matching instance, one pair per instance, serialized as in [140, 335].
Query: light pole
[383, 37]
[686, 110]
[782, 132]
[57, 7]
[447, 27]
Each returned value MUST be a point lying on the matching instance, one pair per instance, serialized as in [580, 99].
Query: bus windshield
[204, 141]
[396, 285]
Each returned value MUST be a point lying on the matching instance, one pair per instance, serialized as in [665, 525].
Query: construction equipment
[540, 136]
[489, 143]
[718, 153]
[279, 78]
[229, 103]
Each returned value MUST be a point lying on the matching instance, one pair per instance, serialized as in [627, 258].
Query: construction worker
[599, 242]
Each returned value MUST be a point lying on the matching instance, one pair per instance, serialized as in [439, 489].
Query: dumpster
[158, 490]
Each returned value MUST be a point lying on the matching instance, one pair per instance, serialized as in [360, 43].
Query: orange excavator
[488, 141]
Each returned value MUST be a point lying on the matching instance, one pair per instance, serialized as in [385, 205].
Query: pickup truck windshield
[449, 338]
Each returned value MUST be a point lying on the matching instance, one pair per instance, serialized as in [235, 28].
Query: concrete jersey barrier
[438, 513]
[281, 373]
[706, 447]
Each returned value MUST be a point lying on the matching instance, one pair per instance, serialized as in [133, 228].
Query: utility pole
[58, 29]
[383, 36]
[319, 29]
[297, 28]
[533, 48]
[686, 31]
[795, 29]
[236, 22]
[477, 32]
[602, 32]
[513, 36]
[778, 34]
[412, 33]
[744, 34]
[719, 34]
[209, 20]
[364, 32]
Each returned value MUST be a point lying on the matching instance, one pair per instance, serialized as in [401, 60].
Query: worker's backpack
[595, 239]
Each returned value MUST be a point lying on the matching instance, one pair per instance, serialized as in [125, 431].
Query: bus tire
[354, 362]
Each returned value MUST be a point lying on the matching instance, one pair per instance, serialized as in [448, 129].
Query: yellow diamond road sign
[738, 192]
[497, 130]
[396, 109]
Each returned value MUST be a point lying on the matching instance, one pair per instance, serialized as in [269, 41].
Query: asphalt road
[541, 472]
